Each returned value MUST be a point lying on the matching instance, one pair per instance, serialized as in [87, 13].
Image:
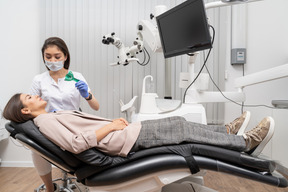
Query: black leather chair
[149, 169]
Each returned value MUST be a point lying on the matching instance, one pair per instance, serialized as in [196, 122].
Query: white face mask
[54, 66]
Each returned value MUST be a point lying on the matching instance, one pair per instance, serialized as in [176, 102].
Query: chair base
[165, 181]
[67, 184]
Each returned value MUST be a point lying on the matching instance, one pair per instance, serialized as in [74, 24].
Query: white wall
[19, 63]
[267, 47]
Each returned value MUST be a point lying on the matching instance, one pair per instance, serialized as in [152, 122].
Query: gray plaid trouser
[176, 130]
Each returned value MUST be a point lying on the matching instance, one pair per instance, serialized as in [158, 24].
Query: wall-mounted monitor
[184, 29]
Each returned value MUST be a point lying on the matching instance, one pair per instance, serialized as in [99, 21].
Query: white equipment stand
[191, 112]
[154, 108]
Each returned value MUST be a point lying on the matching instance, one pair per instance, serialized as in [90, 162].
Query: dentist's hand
[83, 88]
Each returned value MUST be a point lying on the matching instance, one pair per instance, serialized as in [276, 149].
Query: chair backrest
[29, 134]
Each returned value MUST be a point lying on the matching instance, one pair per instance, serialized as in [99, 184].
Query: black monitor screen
[184, 29]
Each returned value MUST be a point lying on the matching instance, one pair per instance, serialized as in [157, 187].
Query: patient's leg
[176, 119]
[238, 124]
[176, 130]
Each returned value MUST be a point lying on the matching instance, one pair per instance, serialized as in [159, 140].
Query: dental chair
[149, 169]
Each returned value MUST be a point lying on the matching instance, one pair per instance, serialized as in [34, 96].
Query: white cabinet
[3, 133]
[280, 138]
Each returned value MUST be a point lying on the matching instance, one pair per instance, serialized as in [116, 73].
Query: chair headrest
[13, 128]
[23, 127]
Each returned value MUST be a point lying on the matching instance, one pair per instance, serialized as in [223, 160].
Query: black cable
[202, 65]
[144, 62]
[145, 50]
[243, 74]
[193, 187]
[143, 59]
[242, 105]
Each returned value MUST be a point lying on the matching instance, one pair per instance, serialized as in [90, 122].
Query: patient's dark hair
[12, 110]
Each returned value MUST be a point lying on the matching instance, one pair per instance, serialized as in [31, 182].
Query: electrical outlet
[238, 56]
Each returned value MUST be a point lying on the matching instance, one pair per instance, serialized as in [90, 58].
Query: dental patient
[76, 131]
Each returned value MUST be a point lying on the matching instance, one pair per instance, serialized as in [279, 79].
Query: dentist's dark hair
[56, 41]
[12, 110]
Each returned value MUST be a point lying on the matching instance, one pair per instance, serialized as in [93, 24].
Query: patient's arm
[115, 125]
[72, 139]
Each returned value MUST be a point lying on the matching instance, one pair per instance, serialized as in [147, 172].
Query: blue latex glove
[83, 88]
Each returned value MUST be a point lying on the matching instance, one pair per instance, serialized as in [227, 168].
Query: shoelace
[254, 133]
[231, 124]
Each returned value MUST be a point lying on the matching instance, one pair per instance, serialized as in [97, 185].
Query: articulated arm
[126, 54]
[147, 31]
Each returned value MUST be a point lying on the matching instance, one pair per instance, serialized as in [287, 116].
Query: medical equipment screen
[184, 29]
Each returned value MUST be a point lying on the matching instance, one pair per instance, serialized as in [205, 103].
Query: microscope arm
[125, 54]
[147, 32]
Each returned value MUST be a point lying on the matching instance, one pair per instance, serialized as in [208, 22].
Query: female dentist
[59, 94]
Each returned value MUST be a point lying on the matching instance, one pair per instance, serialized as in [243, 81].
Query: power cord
[205, 61]
[204, 65]
[242, 104]
[144, 62]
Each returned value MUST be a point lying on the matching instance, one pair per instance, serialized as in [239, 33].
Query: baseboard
[16, 164]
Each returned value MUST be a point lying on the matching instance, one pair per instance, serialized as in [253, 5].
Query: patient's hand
[115, 125]
[123, 120]
[118, 124]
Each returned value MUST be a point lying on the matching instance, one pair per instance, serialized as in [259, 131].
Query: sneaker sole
[245, 123]
[269, 135]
